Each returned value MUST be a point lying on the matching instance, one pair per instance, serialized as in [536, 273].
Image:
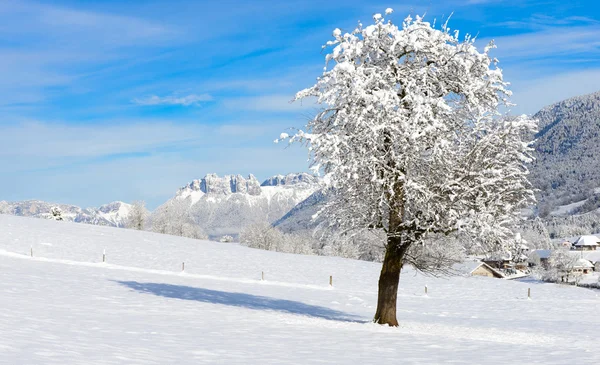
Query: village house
[586, 243]
[566, 244]
[539, 258]
[586, 262]
[477, 268]
[583, 266]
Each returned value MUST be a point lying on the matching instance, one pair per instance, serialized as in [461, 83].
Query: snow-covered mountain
[112, 214]
[567, 168]
[224, 205]
[300, 217]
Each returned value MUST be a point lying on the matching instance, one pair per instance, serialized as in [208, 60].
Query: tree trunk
[394, 251]
[388, 283]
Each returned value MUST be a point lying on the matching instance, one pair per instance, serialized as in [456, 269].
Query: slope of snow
[568, 209]
[193, 195]
[64, 306]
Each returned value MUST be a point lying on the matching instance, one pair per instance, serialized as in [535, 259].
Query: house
[502, 260]
[477, 268]
[565, 244]
[583, 266]
[539, 258]
[587, 243]
[498, 263]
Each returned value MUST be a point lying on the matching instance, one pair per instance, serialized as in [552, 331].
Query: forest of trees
[567, 168]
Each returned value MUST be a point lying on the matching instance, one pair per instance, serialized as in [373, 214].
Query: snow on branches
[410, 137]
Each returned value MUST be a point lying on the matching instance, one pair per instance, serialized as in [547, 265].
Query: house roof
[583, 264]
[468, 267]
[593, 256]
[542, 254]
[587, 241]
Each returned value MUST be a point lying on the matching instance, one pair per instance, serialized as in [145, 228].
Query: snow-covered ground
[568, 209]
[64, 306]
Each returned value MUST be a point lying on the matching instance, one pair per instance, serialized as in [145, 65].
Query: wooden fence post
[104, 255]
[330, 280]
[263, 275]
[528, 293]
[182, 266]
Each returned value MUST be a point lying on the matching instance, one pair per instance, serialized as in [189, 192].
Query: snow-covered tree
[264, 236]
[261, 235]
[299, 243]
[56, 214]
[137, 216]
[160, 220]
[536, 234]
[560, 266]
[175, 218]
[411, 141]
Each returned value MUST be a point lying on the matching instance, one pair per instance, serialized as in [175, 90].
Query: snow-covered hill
[224, 205]
[112, 214]
[64, 306]
[300, 217]
[566, 169]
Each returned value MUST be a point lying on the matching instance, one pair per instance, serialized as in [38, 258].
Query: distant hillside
[567, 169]
[300, 217]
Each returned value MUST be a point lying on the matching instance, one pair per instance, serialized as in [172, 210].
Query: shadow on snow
[240, 300]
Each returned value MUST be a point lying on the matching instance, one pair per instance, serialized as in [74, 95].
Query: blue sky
[113, 100]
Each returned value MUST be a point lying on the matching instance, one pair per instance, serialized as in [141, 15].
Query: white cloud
[187, 100]
[553, 42]
[83, 27]
[270, 103]
[125, 160]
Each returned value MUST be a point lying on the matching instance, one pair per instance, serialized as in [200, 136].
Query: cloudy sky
[113, 100]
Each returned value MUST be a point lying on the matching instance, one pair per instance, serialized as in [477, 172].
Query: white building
[587, 243]
[477, 268]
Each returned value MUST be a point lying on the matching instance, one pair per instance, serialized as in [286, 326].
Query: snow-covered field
[64, 306]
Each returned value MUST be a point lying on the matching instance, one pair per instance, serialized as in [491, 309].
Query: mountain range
[112, 214]
[566, 175]
[224, 205]
[219, 205]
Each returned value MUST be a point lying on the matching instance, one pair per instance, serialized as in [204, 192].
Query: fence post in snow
[182, 266]
[528, 293]
[104, 255]
[31, 251]
[330, 280]
[263, 275]
[425, 289]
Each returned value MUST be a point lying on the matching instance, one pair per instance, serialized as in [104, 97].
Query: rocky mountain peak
[228, 184]
[291, 179]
